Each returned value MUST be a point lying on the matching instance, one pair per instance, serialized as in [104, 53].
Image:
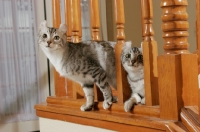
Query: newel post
[150, 53]
[198, 39]
[123, 88]
[177, 68]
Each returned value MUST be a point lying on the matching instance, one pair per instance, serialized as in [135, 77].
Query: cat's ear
[127, 45]
[43, 25]
[141, 48]
[63, 28]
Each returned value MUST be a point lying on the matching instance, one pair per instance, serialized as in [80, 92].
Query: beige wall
[133, 23]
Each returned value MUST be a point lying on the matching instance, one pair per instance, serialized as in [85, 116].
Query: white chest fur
[55, 57]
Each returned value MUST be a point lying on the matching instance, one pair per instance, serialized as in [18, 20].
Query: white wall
[48, 125]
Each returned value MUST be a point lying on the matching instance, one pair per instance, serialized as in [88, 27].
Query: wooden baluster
[68, 20]
[75, 13]
[150, 53]
[75, 19]
[59, 81]
[94, 20]
[94, 28]
[198, 40]
[177, 68]
[123, 88]
[80, 23]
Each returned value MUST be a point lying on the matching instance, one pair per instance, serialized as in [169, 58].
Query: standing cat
[132, 61]
[87, 63]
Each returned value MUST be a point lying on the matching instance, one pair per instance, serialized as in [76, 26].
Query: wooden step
[142, 118]
[190, 118]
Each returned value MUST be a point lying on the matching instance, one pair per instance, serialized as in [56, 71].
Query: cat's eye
[56, 37]
[128, 56]
[44, 35]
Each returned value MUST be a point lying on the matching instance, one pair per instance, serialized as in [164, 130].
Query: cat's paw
[143, 101]
[128, 105]
[114, 99]
[107, 104]
[86, 107]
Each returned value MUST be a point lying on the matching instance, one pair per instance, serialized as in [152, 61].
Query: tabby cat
[132, 61]
[87, 63]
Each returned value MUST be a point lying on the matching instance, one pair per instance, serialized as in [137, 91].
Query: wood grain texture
[104, 115]
[190, 120]
[150, 53]
[170, 85]
[152, 111]
[121, 127]
[176, 127]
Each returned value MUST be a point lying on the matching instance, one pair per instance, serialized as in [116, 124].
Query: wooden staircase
[172, 93]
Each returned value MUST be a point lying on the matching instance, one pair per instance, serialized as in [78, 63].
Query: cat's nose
[48, 42]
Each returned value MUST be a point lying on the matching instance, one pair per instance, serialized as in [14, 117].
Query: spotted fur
[87, 62]
[132, 61]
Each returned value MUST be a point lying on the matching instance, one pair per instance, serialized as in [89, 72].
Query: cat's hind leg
[106, 90]
[134, 99]
[89, 94]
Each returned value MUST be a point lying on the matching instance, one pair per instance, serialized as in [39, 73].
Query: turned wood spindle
[94, 28]
[68, 20]
[94, 20]
[150, 53]
[123, 88]
[175, 26]
[75, 19]
[59, 81]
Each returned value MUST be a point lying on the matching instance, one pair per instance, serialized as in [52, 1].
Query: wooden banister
[170, 77]
[150, 53]
[177, 69]
[123, 88]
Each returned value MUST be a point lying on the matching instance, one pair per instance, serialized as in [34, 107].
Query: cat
[87, 62]
[132, 61]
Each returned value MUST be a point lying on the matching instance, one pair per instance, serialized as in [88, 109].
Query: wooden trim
[96, 123]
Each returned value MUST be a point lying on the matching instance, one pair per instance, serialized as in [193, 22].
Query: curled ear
[43, 24]
[141, 48]
[63, 28]
[127, 44]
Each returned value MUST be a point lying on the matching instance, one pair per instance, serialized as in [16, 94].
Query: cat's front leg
[134, 99]
[89, 94]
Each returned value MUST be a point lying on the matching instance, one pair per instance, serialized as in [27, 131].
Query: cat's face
[51, 39]
[131, 57]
